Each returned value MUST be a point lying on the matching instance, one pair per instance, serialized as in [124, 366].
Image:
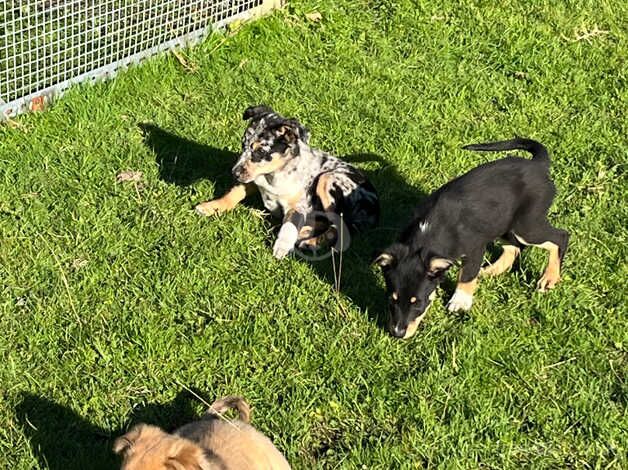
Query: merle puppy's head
[412, 276]
[269, 142]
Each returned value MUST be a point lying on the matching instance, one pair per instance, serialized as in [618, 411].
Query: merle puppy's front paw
[281, 250]
[460, 301]
[287, 237]
[209, 208]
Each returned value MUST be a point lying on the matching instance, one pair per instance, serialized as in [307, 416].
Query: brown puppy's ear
[437, 266]
[124, 443]
[256, 112]
[385, 260]
[188, 457]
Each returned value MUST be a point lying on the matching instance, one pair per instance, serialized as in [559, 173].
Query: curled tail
[538, 150]
[231, 402]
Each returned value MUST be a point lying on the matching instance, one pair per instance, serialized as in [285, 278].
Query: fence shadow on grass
[184, 162]
[61, 439]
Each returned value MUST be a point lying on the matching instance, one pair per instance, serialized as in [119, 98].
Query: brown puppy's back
[209, 444]
[234, 444]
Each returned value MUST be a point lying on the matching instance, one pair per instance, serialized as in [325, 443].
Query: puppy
[210, 444]
[506, 199]
[297, 183]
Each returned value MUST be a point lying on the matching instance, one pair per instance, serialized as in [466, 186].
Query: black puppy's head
[268, 143]
[412, 277]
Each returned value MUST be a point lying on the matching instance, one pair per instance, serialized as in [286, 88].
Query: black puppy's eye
[394, 297]
[413, 300]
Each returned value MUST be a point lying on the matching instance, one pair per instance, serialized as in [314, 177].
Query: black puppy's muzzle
[398, 331]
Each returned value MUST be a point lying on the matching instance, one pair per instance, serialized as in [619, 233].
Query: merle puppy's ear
[256, 112]
[437, 266]
[291, 130]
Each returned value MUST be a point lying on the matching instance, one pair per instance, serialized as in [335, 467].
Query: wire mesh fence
[48, 45]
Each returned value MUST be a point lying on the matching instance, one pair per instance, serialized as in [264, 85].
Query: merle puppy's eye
[259, 154]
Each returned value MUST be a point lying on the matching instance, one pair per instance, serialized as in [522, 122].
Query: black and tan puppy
[298, 183]
[506, 199]
[212, 443]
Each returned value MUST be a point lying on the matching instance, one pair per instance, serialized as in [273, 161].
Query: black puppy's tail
[538, 150]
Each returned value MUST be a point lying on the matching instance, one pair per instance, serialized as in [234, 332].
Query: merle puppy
[311, 190]
[506, 199]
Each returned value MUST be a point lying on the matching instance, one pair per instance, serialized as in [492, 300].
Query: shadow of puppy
[61, 439]
[184, 162]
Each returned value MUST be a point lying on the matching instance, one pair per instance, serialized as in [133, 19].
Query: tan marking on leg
[503, 263]
[328, 237]
[226, 202]
[467, 287]
[306, 232]
[551, 276]
[310, 233]
[463, 295]
[306, 236]
[322, 190]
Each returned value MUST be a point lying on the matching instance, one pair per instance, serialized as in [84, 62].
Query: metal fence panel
[48, 45]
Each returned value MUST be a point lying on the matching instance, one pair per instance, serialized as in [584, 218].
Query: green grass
[116, 298]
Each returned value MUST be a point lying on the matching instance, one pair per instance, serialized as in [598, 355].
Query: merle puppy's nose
[398, 331]
[237, 171]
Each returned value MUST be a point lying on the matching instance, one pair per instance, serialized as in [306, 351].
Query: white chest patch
[277, 192]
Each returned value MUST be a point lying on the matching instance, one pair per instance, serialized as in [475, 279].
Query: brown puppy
[209, 444]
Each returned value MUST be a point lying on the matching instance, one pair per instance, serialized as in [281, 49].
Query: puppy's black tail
[231, 402]
[538, 150]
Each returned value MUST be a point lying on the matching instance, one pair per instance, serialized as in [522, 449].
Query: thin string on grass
[333, 265]
[342, 249]
[63, 278]
[338, 275]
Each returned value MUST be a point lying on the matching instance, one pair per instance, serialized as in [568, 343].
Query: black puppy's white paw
[460, 301]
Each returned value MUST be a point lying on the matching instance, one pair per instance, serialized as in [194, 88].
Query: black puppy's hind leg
[467, 282]
[510, 250]
[553, 240]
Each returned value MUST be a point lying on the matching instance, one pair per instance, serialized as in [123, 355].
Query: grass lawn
[117, 299]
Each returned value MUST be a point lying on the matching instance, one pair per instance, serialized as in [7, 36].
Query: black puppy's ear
[438, 265]
[385, 260]
[256, 112]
